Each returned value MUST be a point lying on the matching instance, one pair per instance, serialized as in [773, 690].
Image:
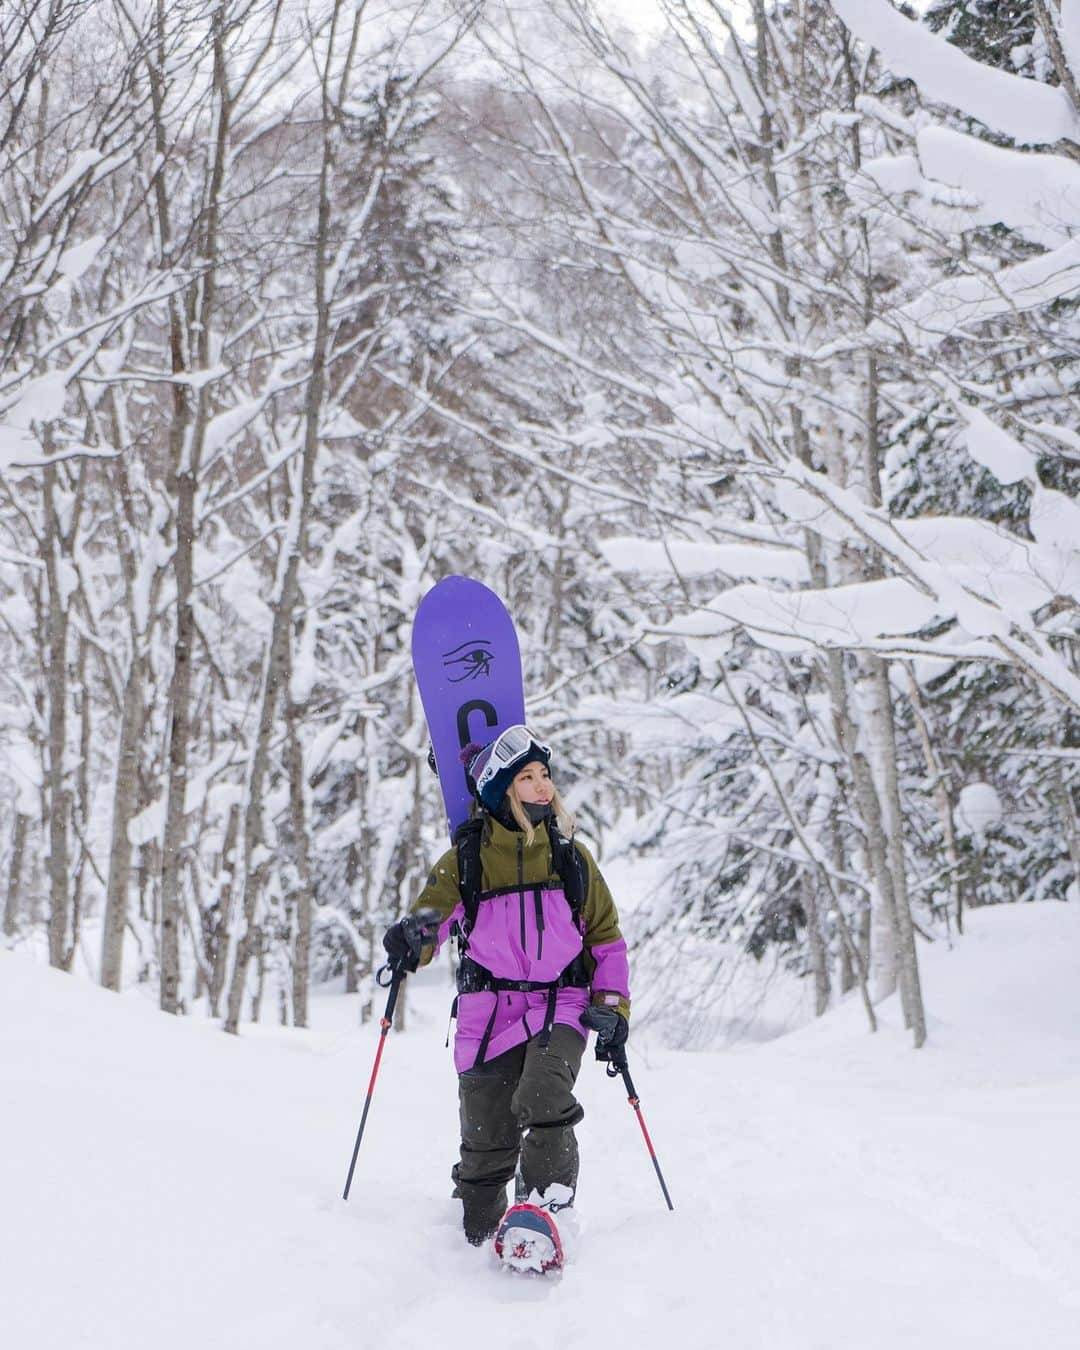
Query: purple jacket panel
[526, 935]
[517, 1017]
[612, 968]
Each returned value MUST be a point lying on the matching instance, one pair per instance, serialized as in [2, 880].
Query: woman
[541, 957]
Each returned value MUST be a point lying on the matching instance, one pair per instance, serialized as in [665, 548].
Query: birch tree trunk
[133, 712]
[58, 791]
[819, 965]
[125, 796]
[883, 740]
[943, 799]
[186, 435]
[226, 898]
[12, 898]
[883, 765]
[305, 898]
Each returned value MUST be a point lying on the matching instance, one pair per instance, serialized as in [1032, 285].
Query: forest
[737, 350]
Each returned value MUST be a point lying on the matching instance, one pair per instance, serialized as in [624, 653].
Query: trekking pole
[396, 974]
[617, 1064]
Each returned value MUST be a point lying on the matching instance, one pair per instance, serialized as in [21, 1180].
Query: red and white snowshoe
[527, 1239]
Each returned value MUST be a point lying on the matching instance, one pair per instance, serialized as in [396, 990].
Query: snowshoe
[527, 1239]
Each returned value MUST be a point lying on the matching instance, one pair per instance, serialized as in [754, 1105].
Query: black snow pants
[519, 1104]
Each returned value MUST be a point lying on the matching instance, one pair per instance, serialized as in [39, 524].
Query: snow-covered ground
[163, 1185]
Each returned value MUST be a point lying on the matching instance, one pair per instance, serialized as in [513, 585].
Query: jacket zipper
[521, 889]
[539, 899]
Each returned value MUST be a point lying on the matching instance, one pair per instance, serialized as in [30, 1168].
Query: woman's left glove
[404, 941]
[611, 1029]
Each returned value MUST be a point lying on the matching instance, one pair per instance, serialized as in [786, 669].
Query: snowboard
[468, 669]
[528, 1240]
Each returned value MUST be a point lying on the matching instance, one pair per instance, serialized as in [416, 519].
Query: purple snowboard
[468, 669]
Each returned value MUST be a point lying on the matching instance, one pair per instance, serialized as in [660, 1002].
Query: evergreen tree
[1000, 33]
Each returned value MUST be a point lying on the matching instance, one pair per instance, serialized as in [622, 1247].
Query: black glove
[403, 941]
[611, 1029]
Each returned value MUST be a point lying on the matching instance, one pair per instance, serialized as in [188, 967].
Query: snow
[962, 182]
[1025, 110]
[978, 809]
[979, 618]
[1012, 572]
[148, 824]
[1038, 195]
[75, 260]
[165, 1183]
[895, 173]
[22, 765]
[39, 400]
[834, 616]
[690, 558]
[659, 722]
[994, 448]
[960, 301]
[966, 541]
[1055, 520]
[82, 162]
[220, 430]
[803, 509]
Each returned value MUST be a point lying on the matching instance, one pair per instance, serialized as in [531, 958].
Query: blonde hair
[563, 818]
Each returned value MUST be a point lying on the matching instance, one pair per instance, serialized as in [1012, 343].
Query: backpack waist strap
[473, 978]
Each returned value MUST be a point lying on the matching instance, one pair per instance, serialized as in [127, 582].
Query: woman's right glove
[403, 942]
[611, 1029]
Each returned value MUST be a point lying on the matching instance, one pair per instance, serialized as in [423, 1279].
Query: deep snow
[163, 1185]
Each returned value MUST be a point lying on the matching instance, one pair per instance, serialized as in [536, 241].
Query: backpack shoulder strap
[568, 860]
[467, 842]
[573, 870]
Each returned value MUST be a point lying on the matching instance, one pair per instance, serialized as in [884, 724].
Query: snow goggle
[506, 750]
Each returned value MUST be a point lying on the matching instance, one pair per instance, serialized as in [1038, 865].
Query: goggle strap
[502, 756]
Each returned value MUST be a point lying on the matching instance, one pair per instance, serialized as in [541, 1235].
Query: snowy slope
[164, 1185]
